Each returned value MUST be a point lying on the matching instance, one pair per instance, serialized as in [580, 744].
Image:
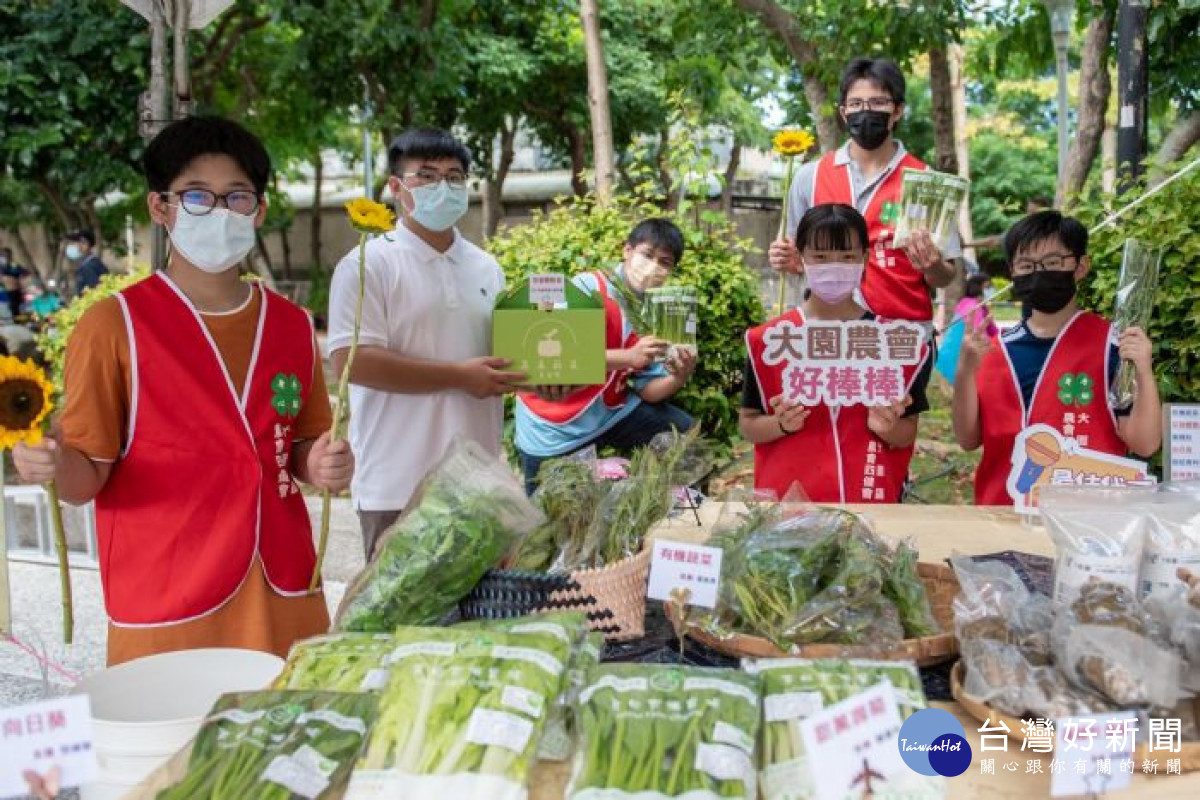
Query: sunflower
[367, 216]
[793, 142]
[24, 401]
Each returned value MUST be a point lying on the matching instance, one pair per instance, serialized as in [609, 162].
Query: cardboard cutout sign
[1042, 456]
[844, 363]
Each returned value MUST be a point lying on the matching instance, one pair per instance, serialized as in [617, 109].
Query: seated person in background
[630, 408]
[1006, 384]
[847, 454]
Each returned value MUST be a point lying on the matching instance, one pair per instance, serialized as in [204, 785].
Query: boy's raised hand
[1134, 345]
[922, 252]
[38, 463]
[790, 415]
[330, 464]
[783, 256]
[975, 342]
[881, 419]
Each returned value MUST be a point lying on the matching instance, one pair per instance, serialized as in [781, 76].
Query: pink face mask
[833, 282]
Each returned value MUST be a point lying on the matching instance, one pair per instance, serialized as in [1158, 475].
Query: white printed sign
[1181, 445]
[43, 736]
[844, 363]
[548, 289]
[677, 567]
[1086, 757]
[854, 742]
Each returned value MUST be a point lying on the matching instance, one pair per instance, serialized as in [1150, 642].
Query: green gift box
[557, 339]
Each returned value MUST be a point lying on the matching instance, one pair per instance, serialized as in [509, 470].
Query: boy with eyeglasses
[631, 408]
[1003, 385]
[867, 173]
[423, 374]
[195, 401]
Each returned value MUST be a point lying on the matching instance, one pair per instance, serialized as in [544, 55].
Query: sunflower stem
[339, 412]
[781, 304]
[64, 566]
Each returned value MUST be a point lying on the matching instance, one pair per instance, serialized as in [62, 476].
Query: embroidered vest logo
[285, 395]
[889, 213]
[1075, 389]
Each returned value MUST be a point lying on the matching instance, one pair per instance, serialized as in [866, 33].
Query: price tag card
[854, 741]
[1091, 755]
[677, 566]
[1181, 441]
[45, 735]
[547, 289]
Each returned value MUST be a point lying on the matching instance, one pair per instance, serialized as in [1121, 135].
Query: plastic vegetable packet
[339, 662]
[1098, 533]
[902, 585]
[1137, 287]
[796, 688]
[276, 746]
[651, 732]
[461, 716]
[1127, 668]
[1172, 536]
[464, 517]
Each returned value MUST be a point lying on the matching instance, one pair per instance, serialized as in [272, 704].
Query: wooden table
[938, 531]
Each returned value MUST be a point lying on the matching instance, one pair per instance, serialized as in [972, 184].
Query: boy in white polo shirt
[422, 374]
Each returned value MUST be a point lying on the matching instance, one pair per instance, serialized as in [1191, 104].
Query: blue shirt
[88, 276]
[1028, 353]
[539, 437]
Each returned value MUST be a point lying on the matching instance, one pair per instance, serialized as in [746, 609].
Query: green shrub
[581, 235]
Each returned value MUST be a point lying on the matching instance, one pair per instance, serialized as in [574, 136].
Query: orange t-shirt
[95, 421]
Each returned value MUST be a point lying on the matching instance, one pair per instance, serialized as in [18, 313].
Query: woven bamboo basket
[619, 590]
[1188, 755]
[941, 585]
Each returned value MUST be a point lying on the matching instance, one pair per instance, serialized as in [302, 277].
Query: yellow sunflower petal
[26, 399]
[793, 142]
[368, 216]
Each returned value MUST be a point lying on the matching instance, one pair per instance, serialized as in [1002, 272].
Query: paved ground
[37, 613]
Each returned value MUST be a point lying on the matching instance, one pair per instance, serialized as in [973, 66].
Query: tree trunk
[602, 139]
[316, 264]
[778, 19]
[1184, 134]
[25, 251]
[962, 149]
[942, 92]
[68, 218]
[1095, 87]
[1108, 161]
[735, 160]
[664, 170]
[578, 151]
[493, 195]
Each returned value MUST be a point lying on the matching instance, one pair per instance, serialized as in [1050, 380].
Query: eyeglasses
[663, 263]
[1054, 263]
[199, 202]
[873, 103]
[456, 178]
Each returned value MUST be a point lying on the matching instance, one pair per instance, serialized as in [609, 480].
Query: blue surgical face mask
[437, 206]
[74, 252]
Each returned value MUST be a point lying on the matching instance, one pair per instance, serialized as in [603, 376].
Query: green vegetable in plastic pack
[902, 585]
[339, 662]
[276, 745]
[463, 518]
[462, 714]
[653, 731]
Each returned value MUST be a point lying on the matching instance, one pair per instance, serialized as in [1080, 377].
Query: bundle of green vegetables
[276, 746]
[673, 314]
[930, 201]
[462, 714]
[568, 493]
[339, 662]
[463, 518]
[820, 576]
[558, 738]
[795, 688]
[654, 731]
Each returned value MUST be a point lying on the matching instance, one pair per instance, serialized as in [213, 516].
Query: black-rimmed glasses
[199, 202]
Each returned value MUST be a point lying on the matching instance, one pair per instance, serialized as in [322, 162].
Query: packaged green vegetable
[339, 662]
[461, 716]
[276, 745]
[795, 688]
[464, 517]
[568, 493]
[653, 731]
[902, 585]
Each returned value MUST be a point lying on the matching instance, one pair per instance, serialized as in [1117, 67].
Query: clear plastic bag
[463, 518]
[903, 587]
[1098, 533]
[1172, 536]
[1123, 666]
[1137, 287]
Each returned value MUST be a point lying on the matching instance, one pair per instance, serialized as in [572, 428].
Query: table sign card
[1087, 757]
[854, 742]
[1181, 442]
[42, 736]
[677, 566]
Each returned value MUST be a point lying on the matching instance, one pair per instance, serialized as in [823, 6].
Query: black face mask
[1047, 292]
[869, 129]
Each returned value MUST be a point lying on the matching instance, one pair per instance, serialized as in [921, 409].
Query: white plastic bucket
[147, 709]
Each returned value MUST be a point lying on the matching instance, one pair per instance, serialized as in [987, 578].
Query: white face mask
[645, 273]
[74, 252]
[833, 282]
[437, 206]
[213, 242]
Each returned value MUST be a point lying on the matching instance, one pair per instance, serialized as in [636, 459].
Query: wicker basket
[1188, 755]
[941, 585]
[505, 594]
[619, 592]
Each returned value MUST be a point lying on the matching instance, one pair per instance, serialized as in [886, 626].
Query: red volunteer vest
[615, 388]
[1082, 347]
[891, 286]
[204, 484]
[835, 456]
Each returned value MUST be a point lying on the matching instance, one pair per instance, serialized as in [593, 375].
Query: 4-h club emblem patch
[889, 213]
[285, 395]
[1075, 389]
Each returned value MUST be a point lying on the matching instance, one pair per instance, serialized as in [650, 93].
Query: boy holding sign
[1053, 370]
[832, 395]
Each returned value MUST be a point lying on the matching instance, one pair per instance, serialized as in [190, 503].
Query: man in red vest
[867, 173]
[1054, 368]
[195, 401]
